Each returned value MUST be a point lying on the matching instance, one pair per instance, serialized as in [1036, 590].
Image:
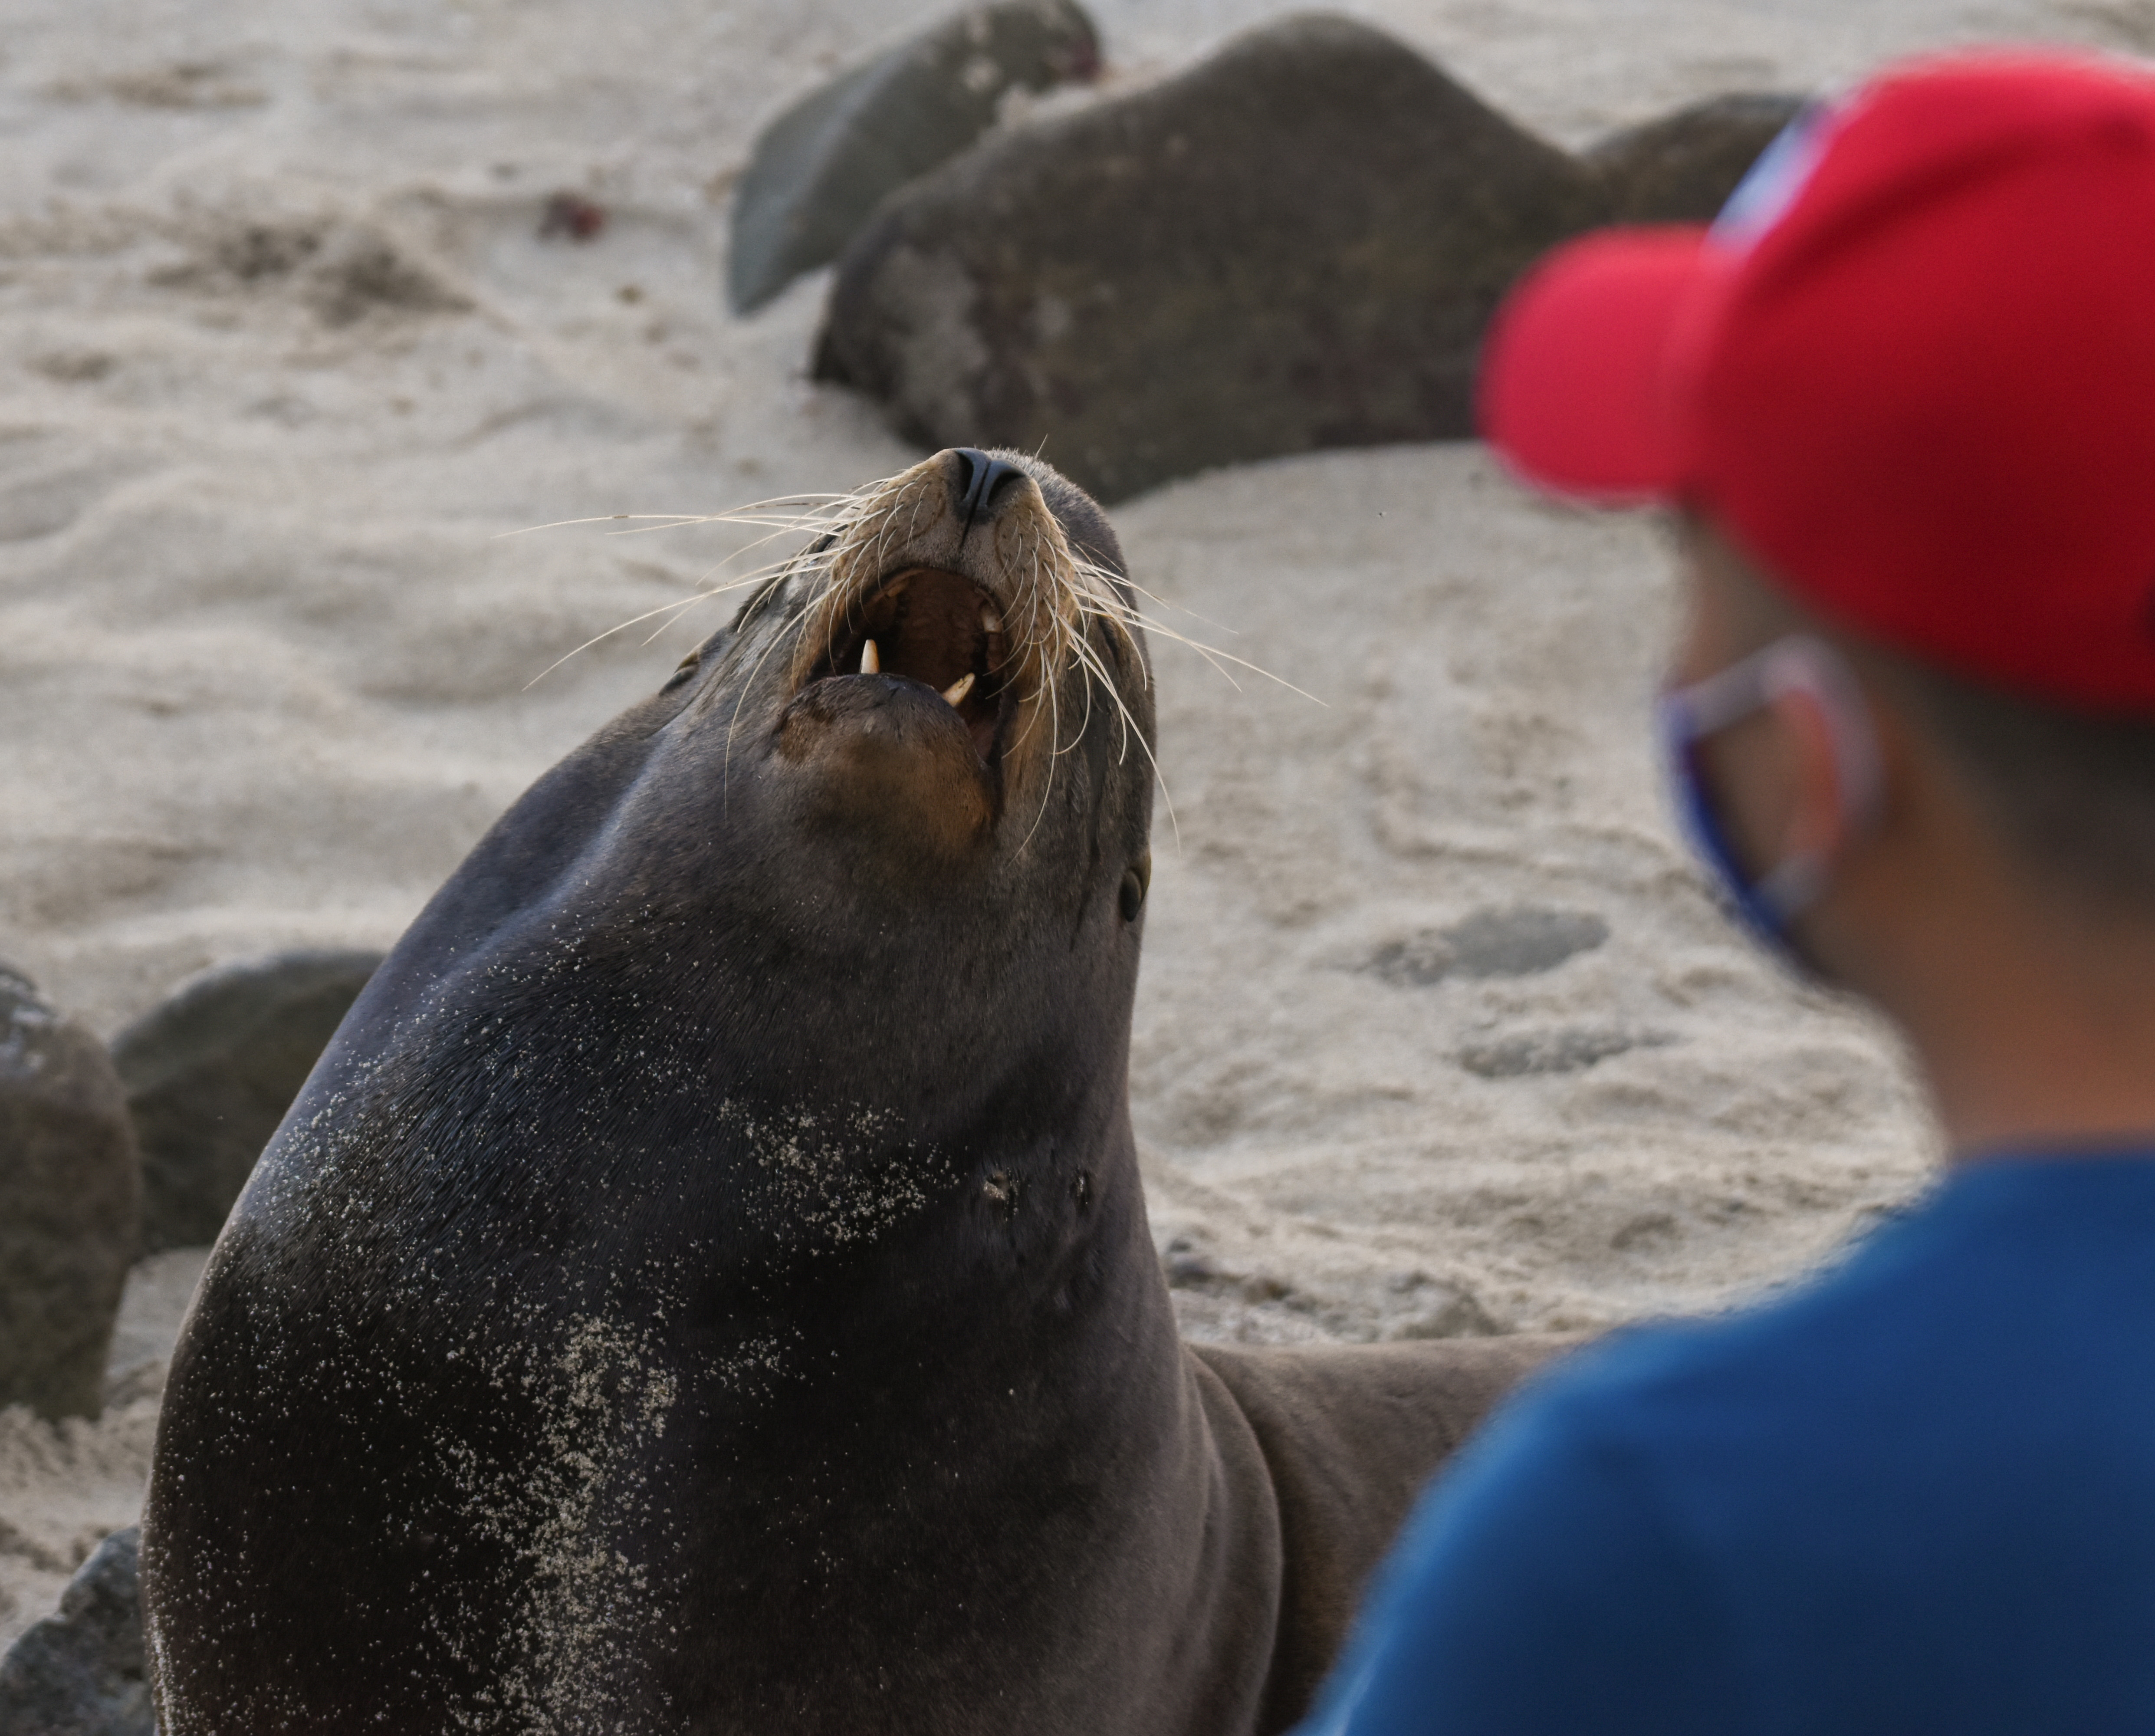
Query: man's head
[1903, 394]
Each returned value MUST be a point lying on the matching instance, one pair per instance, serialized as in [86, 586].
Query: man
[1903, 395]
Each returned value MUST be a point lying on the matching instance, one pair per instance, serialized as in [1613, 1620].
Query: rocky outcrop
[70, 1205]
[1682, 168]
[821, 168]
[1294, 245]
[210, 1073]
[82, 1671]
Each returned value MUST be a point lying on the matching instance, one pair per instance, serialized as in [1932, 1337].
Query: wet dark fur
[706, 1287]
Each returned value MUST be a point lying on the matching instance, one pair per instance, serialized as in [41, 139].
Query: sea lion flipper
[1350, 1434]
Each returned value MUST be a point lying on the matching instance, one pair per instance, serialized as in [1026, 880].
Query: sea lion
[705, 1285]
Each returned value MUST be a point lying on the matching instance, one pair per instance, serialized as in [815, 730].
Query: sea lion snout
[985, 580]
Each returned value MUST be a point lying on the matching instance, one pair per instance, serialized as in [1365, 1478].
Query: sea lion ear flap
[686, 669]
[1137, 881]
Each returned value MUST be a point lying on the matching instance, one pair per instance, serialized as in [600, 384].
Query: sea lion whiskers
[1104, 582]
[814, 520]
[1044, 596]
[671, 610]
[662, 520]
[1128, 618]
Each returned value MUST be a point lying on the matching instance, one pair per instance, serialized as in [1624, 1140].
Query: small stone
[571, 217]
[821, 168]
[82, 1672]
[210, 1073]
[1682, 168]
[70, 1205]
[1294, 245]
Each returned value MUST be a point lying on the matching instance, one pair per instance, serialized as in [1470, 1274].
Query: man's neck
[2034, 1030]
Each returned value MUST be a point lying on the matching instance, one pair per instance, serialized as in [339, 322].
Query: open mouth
[940, 630]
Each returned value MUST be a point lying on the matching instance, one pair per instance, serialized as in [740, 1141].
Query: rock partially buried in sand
[1682, 168]
[81, 1672]
[1294, 245]
[1521, 942]
[70, 1204]
[210, 1073]
[821, 166]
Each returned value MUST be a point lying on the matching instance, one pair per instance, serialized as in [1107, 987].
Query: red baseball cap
[1910, 367]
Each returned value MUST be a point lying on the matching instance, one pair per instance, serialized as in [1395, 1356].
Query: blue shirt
[1917, 1494]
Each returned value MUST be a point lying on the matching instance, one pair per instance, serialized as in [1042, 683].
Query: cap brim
[1575, 390]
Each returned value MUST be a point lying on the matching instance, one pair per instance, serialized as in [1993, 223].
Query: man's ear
[1821, 820]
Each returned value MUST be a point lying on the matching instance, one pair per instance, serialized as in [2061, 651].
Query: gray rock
[1683, 168]
[1521, 942]
[821, 166]
[70, 1205]
[210, 1073]
[1294, 245]
[81, 1672]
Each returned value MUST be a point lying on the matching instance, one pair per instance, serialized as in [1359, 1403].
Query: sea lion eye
[1135, 880]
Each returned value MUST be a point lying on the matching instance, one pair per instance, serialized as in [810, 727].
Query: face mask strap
[1798, 663]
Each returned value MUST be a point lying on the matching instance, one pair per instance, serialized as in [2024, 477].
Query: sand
[284, 357]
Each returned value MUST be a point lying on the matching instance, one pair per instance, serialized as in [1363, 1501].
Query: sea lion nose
[979, 480]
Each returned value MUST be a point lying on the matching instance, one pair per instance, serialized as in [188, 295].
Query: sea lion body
[706, 1285]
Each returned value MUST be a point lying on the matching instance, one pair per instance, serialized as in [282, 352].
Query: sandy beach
[284, 359]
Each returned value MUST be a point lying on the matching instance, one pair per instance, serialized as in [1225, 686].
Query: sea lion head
[949, 683]
[845, 913]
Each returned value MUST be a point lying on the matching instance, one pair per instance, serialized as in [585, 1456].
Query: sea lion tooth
[871, 665]
[959, 689]
[991, 620]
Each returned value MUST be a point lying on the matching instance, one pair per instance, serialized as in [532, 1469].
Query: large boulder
[1295, 245]
[82, 1672]
[210, 1073]
[821, 166]
[70, 1205]
[1682, 168]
